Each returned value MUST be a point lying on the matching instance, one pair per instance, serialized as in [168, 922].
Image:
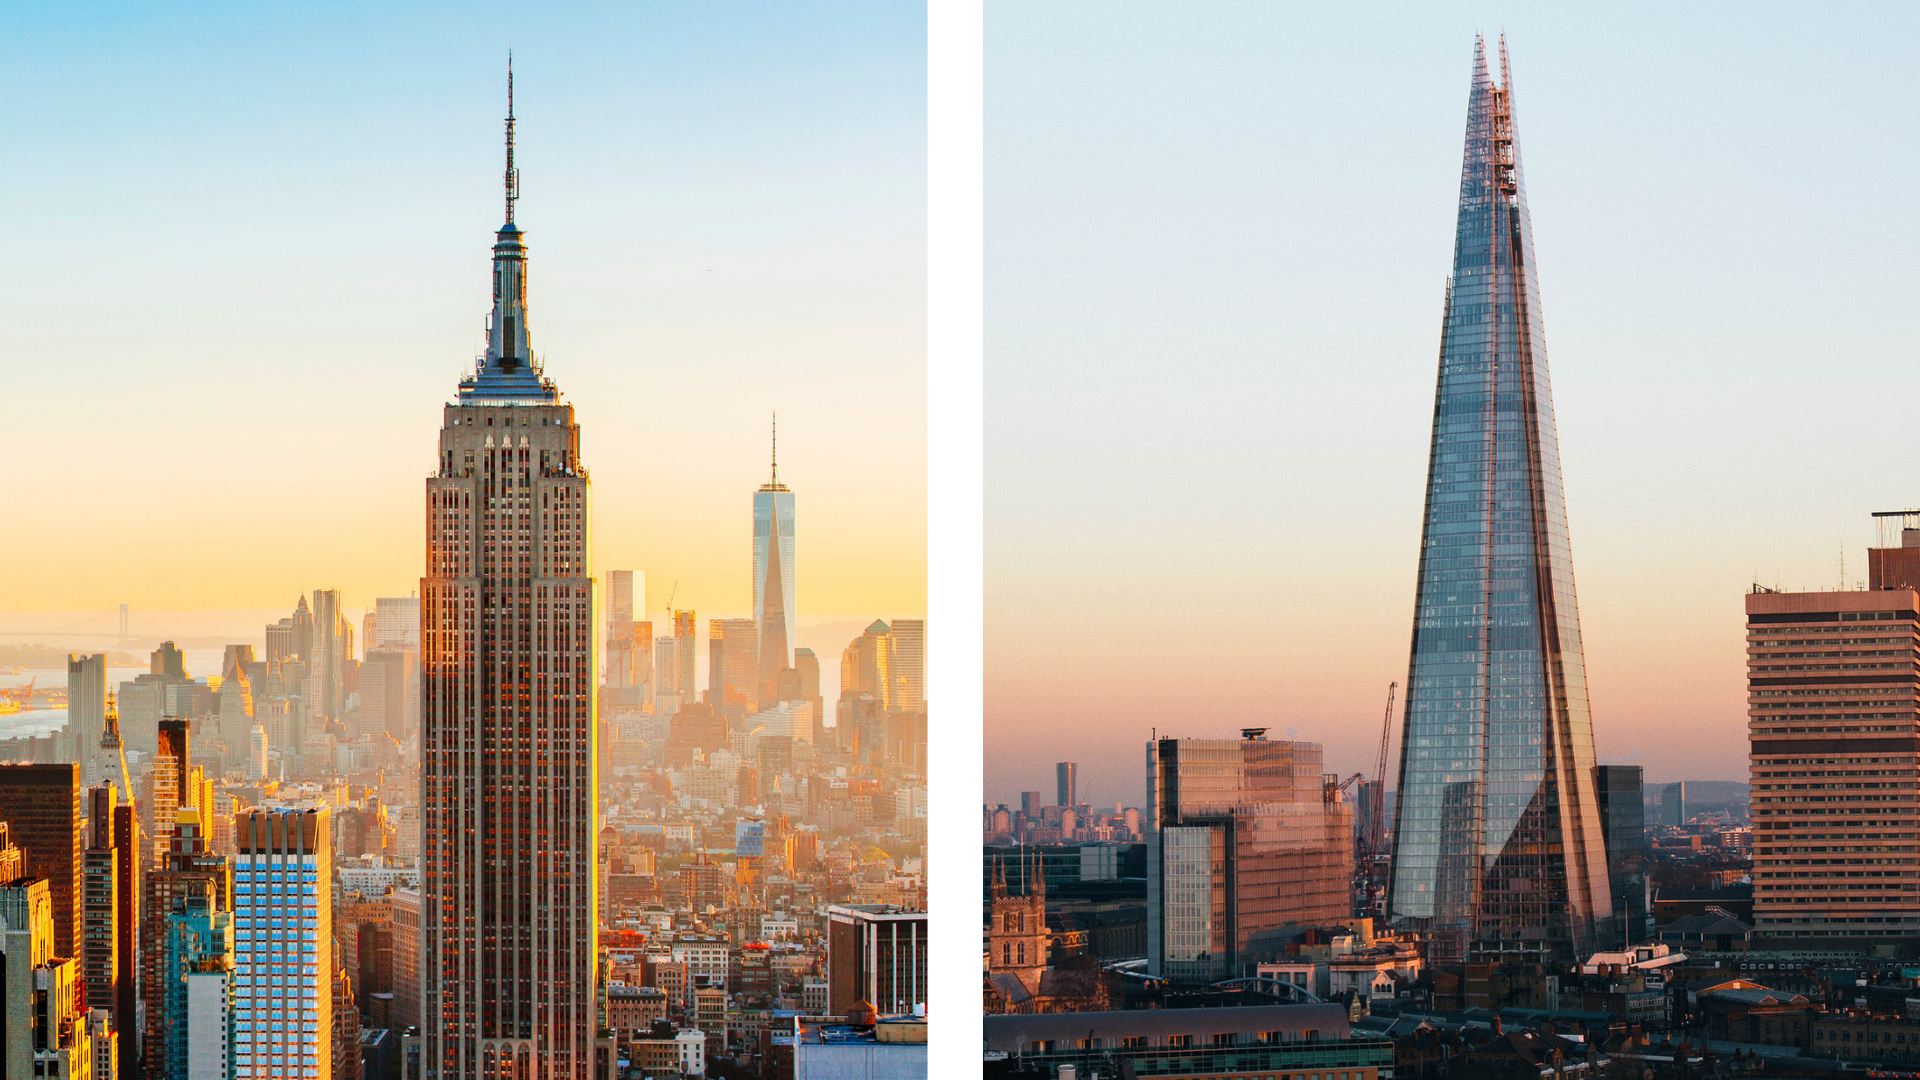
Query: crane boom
[1377, 827]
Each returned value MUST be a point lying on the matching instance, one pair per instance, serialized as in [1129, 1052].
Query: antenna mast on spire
[513, 174]
[776, 449]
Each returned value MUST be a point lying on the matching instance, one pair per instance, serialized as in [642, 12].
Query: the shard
[1497, 848]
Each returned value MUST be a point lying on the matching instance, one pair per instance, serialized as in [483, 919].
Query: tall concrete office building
[1247, 849]
[43, 1026]
[622, 646]
[389, 693]
[110, 917]
[87, 710]
[1832, 686]
[43, 806]
[508, 843]
[1673, 804]
[329, 651]
[1497, 846]
[806, 667]
[1066, 783]
[908, 670]
[685, 654]
[396, 623]
[1623, 824]
[773, 609]
[866, 665]
[733, 666]
[877, 954]
[187, 870]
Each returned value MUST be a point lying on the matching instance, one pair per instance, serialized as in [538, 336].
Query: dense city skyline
[1222, 529]
[463, 797]
[783, 260]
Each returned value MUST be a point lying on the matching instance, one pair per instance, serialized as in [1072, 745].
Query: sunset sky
[249, 260]
[1217, 239]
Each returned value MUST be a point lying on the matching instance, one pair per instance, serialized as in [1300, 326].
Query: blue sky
[1217, 237]
[250, 252]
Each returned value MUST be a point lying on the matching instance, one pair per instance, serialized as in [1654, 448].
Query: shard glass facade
[508, 835]
[1497, 841]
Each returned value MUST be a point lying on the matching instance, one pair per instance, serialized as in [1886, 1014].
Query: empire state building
[508, 905]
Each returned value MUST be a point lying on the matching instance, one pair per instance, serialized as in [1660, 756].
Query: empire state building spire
[513, 174]
[508, 372]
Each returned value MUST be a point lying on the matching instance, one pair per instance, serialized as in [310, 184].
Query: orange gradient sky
[256, 262]
[1213, 308]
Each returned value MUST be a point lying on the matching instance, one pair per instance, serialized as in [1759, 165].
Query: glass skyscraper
[1498, 850]
[773, 611]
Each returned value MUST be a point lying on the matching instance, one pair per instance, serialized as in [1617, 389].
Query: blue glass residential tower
[1498, 850]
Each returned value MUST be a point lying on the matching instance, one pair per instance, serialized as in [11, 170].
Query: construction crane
[21, 696]
[1336, 787]
[1377, 827]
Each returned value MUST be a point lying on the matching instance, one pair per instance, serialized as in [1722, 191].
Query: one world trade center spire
[1497, 847]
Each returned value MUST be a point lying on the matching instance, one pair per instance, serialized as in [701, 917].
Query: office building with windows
[42, 806]
[877, 954]
[87, 711]
[283, 915]
[1623, 825]
[43, 1029]
[110, 917]
[1247, 850]
[773, 609]
[188, 870]
[508, 776]
[1833, 697]
[198, 1026]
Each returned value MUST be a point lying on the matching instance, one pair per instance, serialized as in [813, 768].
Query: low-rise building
[823, 1048]
[1857, 1037]
[634, 1008]
[1264, 1039]
[1743, 1011]
[667, 1051]
[1714, 930]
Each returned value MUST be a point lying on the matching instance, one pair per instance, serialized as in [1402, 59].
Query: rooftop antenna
[513, 174]
[776, 448]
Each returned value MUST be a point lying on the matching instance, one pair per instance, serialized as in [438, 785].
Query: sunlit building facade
[1498, 850]
[773, 609]
[508, 781]
[1246, 851]
[1833, 705]
[283, 908]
